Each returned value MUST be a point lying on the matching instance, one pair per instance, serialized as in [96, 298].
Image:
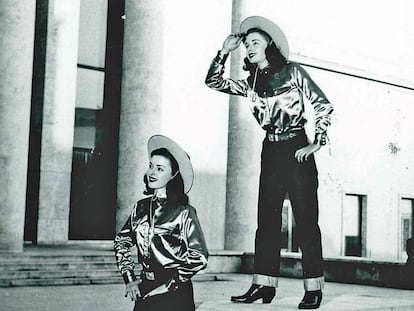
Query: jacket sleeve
[216, 81]
[124, 241]
[322, 107]
[197, 253]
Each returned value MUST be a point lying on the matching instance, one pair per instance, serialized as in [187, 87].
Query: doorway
[95, 153]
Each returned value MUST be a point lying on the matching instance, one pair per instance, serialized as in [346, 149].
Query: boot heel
[268, 299]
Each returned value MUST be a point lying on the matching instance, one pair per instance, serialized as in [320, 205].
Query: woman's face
[159, 172]
[256, 45]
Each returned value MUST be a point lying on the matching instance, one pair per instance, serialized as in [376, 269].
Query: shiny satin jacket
[277, 98]
[175, 241]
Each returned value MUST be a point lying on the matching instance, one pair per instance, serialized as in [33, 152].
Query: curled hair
[276, 60]
[175, 187]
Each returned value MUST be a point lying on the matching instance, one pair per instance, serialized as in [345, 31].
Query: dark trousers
[281, 173]
[181, 299]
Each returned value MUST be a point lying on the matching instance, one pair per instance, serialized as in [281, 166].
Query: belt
[161, 275]
[273, 137]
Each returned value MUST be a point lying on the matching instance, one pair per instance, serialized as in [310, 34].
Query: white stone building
[85, 83]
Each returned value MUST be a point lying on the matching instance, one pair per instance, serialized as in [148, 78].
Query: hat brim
[182, 158]
[273, 30]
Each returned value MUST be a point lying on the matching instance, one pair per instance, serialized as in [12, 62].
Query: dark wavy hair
[175, 187]
[276, 60]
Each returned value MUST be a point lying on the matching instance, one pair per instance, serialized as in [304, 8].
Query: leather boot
[255, 292]
[311, 300]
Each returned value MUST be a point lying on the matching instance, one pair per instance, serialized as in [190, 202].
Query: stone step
[219, 262]
[50, 266]
[44, 274]
[61, 281]
[69, 265]
[7, 258]
[80, 268]
[93, 277]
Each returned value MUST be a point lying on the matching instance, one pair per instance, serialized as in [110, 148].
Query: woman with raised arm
[277, 90]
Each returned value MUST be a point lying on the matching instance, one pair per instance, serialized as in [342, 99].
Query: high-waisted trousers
[281, 173]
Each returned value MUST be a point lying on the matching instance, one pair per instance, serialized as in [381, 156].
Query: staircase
[59, 265]
[86, 263]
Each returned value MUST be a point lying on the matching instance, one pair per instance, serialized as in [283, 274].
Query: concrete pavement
[212, 292]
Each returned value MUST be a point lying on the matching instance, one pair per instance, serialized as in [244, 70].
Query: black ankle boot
[311, 300]
[256, 292]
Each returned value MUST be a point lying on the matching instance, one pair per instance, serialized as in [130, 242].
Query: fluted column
[141, 97]
[16, 62]
[58, 120]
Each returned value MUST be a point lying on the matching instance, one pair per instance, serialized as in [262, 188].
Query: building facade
[86, 83]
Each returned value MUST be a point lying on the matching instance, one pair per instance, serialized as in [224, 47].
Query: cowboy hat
[270, 28]
[182, 158]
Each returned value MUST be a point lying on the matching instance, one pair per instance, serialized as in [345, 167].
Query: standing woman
[166, 231]
[278, 90]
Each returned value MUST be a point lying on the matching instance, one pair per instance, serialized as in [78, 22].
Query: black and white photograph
[213, 155]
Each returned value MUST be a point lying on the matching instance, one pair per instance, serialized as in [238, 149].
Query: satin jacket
[277, 98]
[170, 239]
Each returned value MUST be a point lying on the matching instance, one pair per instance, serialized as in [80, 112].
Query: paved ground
[209, 295]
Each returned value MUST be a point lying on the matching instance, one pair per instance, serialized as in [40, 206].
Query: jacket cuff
[321, 139]
[221, 59]
[129, 277]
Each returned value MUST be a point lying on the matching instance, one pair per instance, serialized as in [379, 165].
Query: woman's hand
[303, 154]
[231, 43]
[132, 290]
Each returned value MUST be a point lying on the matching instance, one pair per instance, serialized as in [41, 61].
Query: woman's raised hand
[231, 43]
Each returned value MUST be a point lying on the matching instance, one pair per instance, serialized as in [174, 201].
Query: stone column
[58, 120]
[16, 62]
[141, 98]
[243, 160]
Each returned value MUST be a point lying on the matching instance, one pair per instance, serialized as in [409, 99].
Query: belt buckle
[150, 276]
[272, 137]
[275, 137]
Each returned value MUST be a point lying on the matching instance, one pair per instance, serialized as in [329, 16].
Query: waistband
[277, 137]
[159, 275]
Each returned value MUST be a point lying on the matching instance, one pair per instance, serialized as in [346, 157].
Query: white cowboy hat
[270, 28]
[182, 158]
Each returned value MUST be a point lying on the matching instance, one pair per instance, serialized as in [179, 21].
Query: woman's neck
[161, 193]
[263, 64]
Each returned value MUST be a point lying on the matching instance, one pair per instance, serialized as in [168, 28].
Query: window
[406, 217]
[354, 225]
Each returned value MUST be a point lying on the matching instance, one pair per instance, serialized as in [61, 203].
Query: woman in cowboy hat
[277, 90]
[166, 231]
